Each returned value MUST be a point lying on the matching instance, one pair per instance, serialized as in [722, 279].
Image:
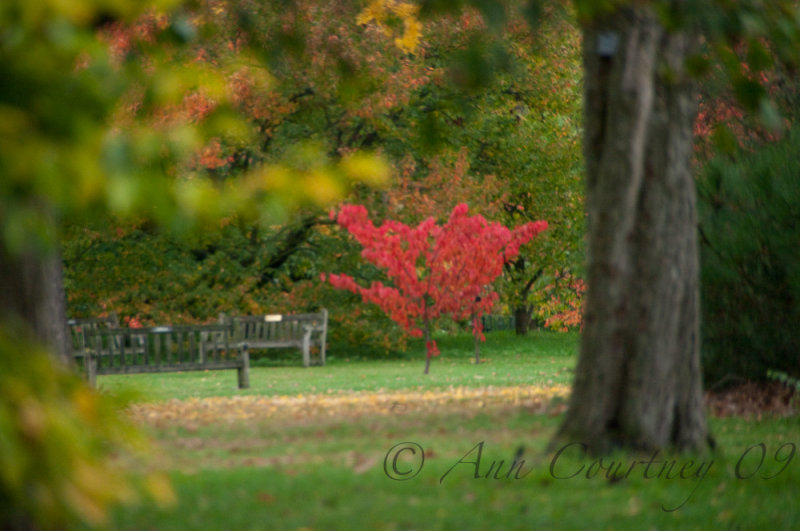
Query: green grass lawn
[332, 471]
[543, 358]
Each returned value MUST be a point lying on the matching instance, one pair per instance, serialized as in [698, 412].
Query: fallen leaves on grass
[196, 412]
[747, 400]
[754, 399]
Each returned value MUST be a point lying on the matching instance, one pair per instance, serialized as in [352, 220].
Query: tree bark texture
[638, 381]
[32, 295]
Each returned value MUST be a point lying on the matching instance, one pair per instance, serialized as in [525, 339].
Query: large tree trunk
[638, 381]
[32, 295]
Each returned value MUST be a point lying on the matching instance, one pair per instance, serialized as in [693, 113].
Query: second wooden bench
[306, 331]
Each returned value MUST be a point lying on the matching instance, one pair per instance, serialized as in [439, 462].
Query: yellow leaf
[323, 188]
[411, 35]
[369, 169]
[375, 10]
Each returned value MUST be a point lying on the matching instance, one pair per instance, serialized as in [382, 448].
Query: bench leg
[307, 348]
[323, 338]
[244, 370]
[91, 370]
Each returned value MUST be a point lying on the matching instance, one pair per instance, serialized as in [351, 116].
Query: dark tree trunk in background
[638, 380]
[32, 293]
[522, 320]
[523, 312]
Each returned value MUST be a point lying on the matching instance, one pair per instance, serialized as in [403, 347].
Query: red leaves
[434, 270]
[132, 322]
[432, 349]
[563, 306]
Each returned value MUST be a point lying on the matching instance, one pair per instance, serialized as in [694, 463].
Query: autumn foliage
[433, 270]
[290, 103]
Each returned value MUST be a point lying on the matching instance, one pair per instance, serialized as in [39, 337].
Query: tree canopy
[447, 140]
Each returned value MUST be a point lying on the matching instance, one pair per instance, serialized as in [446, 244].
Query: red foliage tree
[434, 270]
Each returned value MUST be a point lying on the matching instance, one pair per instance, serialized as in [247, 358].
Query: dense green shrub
[155, 278]
[749, 207]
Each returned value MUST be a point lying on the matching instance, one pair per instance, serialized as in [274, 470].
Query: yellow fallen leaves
[196, 412]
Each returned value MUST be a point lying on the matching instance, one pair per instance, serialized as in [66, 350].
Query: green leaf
[770, 115]
[724, 140]
[698, 65]
[748, 92]
[758, 57]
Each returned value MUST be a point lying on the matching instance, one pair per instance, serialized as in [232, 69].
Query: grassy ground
[542, 359]
[344, 448]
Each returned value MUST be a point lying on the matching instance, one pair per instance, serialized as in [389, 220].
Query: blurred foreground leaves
[66, 453]
[104, 110]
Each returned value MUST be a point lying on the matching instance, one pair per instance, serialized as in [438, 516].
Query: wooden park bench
[302, 331]
[166, 349]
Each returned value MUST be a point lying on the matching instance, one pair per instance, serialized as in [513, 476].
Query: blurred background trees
[487, 118]
[746, 138]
